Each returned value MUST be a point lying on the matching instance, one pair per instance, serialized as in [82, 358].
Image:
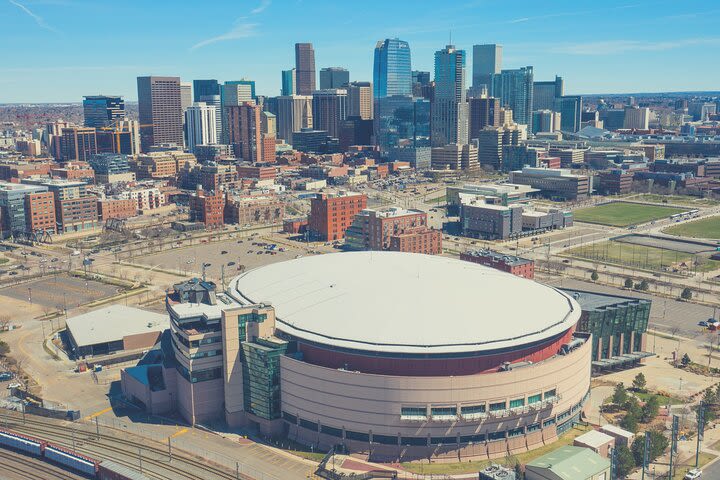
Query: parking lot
[59, 290]
[234, 254]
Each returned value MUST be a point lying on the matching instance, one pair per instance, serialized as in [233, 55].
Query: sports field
[622, 214]
[704, 228]
[641, 256]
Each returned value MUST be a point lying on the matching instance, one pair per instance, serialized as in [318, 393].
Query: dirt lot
[59, 290]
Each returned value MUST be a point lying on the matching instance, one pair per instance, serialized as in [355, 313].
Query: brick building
[614, 182]
[254, 210]
[116, 208]
[522, 267]
[207, 208]
[256, 171]
[393, 229]
[40, 212]
[332, 214]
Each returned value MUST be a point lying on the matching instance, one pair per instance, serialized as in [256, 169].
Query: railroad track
[23, 467]
[121, 450]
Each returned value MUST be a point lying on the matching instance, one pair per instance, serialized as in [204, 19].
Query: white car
[693, 474]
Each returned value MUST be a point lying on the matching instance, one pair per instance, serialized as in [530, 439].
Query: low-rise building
[522, 267]
[254, 210]
[116, 208]
[394, 229]
[597, 441]
[207, 208]
[614, 182]
[555, 183]
[331, 214]
[487, 221]
[569, 463]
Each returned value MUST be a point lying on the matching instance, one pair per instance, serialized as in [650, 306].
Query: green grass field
[704, 228]
[650, 258]
[622, 214]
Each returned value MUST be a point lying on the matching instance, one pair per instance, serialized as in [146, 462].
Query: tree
[650, 409]
[643, 286]
[658, 444]
[630, 422]
[639, 382]
[4, 349]
[685, 360]
[686, 294]
[594, 276]
[624, 461]
[628, 283]
[620, 395]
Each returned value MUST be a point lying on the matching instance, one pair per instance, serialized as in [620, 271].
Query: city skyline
[585, 45]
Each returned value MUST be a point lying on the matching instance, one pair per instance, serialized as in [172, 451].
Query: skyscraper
[360, 100]
[483, 112]
[449, 107]
[487, 61]
[294, 114]
[333, 77]
[103, 111]
[160, 111]
[329, 110]
[304, 68]
[245, 130]
[391, 69]
[186, 96]
[205, 88]
[289, 82]
[514, 88]
[570, 109]
[545, 93]
[234, 93]
[200, 125]
[214, 100]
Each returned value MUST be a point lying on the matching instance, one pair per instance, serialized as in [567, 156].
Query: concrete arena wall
[369, 403]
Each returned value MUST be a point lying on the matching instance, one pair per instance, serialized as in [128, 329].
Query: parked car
[702, 323]
[224, 252]
[5, 376]
[693, 474]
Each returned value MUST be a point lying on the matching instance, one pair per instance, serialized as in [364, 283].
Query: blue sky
[59, 50]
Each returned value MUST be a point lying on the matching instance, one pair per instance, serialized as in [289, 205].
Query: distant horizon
[63, 48]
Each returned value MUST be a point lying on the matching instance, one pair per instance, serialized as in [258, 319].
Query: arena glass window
[360, 437]
[548, 422]
[516, 432]
[472, 410]
[335, 432]
[480, 437]
[443, 440]
[517, 403]
[533, 428]
[496, 436]
[534, 399]
[413, 412]
[308, 425]
[496, 407]
[550, 394]
[443, 411]
[414, 441]
[385, 439]
[290, 418]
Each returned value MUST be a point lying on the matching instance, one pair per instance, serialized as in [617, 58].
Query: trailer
[72, 460]
[22, 443]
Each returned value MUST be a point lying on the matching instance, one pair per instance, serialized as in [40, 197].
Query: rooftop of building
[571, 463]
[397, 303]
[594, 439]
[393, 212]
[112, 323]
[615, 430]
[595, 301]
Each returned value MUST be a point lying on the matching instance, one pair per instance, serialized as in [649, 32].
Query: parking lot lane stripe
[181, 432]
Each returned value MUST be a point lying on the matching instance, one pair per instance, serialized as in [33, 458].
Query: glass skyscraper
[392, 74]
[449, 108]
[289, 81]
[103, 111]
[514, 88]
[205, 88]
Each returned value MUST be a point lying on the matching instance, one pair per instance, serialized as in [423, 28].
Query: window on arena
[472, 409]
[496, 407]
[517, 402]
[550, 394]
[413, 411]
[534, 399]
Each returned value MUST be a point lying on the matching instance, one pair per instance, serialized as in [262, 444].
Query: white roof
[112, 323]
[406, 303]
[594, 439]
[614, 430]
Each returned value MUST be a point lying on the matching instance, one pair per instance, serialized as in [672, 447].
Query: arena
[405, 356]
[395, 356]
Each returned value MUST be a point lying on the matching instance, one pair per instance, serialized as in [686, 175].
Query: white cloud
[38, 19]
[614, 47]
[260, 8]
[241, 30]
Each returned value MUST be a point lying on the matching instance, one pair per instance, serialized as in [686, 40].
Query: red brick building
[332, 214]
[256, 171]
[40, 212]
[116, 208]
[208, 208]
[522, 267]
[394, 229]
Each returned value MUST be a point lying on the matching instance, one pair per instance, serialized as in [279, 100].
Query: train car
[23, 443]
[72, 460]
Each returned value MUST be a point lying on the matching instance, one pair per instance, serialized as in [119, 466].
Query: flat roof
[406, 303]
[571, 463]
[594, 438]
[595, 300]
[112, 323]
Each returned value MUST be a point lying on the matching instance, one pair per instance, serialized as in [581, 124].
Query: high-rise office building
[103, 111]
[637, 118]
[78, 143]
[487, 61]
[449, 121]
[491, 141]
[483, 112]
[289, 82]
[205, 88]
[304, 68]
[455, 157]
[401, 121]
[329, 110]
[245, 130]
[546, 121]
[294, 114]
[234, 93]
[570, 109]
[214, 101]
[545, 93]
[200, 125]
[333, 77]
[420, 83]
[160, 111]
[392, 74]
[360, 100]
[514, 88]
[186, 96]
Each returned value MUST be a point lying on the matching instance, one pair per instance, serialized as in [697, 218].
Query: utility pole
[645, 454]
[700, 430]
[673, 441]
[97, 428]
[169, 450]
